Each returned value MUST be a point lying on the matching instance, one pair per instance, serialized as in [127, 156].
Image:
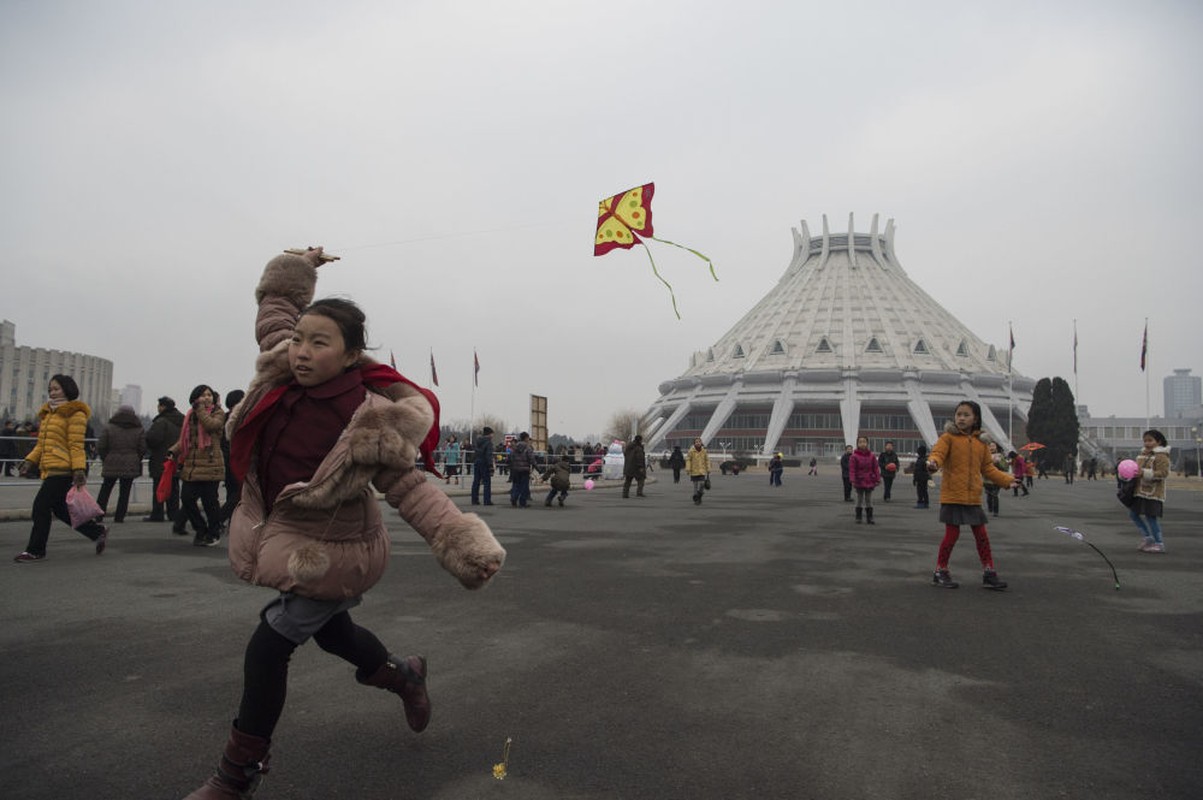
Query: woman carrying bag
[697, 464]
[59, 455]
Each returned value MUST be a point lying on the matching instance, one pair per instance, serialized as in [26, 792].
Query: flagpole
[1010, 385]
[1076, 400]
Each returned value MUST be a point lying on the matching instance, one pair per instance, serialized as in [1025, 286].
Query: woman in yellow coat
[697, 463]
[59, 455]
[965, 459]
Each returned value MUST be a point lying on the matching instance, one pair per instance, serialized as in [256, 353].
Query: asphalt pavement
[761, 645]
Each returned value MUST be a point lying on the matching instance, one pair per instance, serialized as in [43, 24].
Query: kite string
[438, 236]
[661, 277]
[690, 249]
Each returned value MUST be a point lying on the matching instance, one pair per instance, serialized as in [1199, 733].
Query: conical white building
[845, 344]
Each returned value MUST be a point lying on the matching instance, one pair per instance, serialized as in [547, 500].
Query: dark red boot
[405, 677]
[237, 775]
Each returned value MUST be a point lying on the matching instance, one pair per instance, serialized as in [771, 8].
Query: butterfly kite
[625, 217]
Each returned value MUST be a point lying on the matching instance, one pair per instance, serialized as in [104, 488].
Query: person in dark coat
[922, 476]
[634, 467]
[676, 462]
[844, 473]
[122, 446]
[233, 485]
[560, 475]
[776, 468]
[164, 432]
[521, 462]
[8, 447]
[888, 457]
[482, 474]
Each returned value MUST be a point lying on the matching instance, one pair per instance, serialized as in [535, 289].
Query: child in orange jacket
[966, 460]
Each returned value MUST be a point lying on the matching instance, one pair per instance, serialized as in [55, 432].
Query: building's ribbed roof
[845, 302]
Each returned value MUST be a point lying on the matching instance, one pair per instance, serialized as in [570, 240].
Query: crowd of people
[197, 443]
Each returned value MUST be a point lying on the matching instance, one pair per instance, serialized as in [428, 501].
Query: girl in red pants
[965, 459]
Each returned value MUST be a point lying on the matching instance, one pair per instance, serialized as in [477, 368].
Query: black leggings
[265, 668]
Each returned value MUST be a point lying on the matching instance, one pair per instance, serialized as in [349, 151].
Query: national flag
[1011, 349]
[392, 360]
[476, 372]
[1144, 348]
[434, 373]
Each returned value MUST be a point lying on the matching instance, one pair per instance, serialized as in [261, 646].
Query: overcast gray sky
[1040, 159]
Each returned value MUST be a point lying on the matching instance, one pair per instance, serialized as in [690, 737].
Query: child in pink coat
[864, 472]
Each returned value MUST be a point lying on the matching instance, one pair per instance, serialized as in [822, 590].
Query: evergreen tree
[1053, 422]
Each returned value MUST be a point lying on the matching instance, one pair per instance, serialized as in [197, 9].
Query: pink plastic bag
[82, 506]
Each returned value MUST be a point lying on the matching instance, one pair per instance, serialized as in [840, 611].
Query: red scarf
[374, 375]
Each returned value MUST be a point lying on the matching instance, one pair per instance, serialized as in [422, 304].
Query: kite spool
[300, 251]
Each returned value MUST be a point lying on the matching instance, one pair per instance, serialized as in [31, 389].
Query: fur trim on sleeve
[290, 276]
[387, 436]
[464, 547]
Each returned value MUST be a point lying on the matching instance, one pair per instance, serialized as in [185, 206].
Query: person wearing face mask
[201, 466]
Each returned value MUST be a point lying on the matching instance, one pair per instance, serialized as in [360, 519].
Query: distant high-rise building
[25, 372]
[1183, 393]
[131, 395]
[845, 344]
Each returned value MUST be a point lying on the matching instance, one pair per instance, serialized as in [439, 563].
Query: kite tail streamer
[690, 249]
[1113, 573]
[661, 277]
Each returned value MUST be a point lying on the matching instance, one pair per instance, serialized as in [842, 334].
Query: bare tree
[622, 424]
[496, 423]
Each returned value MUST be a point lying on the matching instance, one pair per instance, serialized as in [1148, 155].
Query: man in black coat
[482, 472]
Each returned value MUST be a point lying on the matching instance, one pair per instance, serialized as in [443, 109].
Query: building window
[921, 348]
[991, 355]
[738, 352]
[824, 346]
[963, 349]
[778, 348]
[710, 354]
[874, 346]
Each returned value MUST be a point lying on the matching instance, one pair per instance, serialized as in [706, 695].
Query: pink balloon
[588, 484]
[1128, 469]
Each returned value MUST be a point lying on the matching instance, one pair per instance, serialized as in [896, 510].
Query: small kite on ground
[627, 216]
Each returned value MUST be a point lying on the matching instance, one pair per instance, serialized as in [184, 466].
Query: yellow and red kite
[625, 217]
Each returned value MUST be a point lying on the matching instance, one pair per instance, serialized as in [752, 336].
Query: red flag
[476, 372]
[434, 373]
[1144, 348]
